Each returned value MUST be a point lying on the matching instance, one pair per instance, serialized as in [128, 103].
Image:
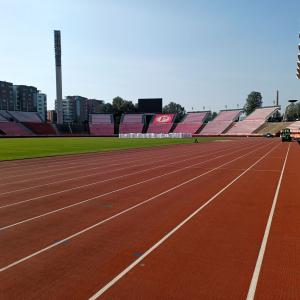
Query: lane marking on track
[114, 170]
[74, 166]
[127, 210]
[72, 172]
[123, 188]
[173, 231]
[258, 265]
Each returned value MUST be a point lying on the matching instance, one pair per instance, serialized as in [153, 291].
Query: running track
[201, 221]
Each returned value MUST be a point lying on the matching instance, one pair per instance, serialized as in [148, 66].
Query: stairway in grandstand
[101, 125]
[253, 121]
[192, 122]
[272, 127]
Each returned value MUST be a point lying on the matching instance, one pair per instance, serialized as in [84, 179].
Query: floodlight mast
[298, 62]
[57, 49]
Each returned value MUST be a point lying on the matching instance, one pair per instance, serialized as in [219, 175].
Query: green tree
[292, 112]
[175, 108]
[253, 101]
[121, 106]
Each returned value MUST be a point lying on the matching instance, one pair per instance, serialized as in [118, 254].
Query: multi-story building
[25, 98]
[42, 105]
[51, 116]
[6, 96]
[79, 107]
[94, 106]
[76, 109]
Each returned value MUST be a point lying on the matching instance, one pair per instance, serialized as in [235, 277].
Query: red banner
[163, 119]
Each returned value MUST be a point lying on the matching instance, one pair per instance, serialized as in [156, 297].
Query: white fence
[154, 135]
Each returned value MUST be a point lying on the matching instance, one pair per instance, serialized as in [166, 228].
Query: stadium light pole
[298, 62]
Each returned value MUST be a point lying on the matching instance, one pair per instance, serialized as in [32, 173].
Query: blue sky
[197, 53]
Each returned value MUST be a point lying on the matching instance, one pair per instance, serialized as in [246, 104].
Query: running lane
[76, 268]
[213, 254]
[279, 277]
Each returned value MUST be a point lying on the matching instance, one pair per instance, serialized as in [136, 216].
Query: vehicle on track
[286, 135]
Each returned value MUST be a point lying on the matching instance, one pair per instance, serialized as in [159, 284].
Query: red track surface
[178, 222]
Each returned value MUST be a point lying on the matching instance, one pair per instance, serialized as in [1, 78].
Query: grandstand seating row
[252, 122]
[16, 123]
[225, 123]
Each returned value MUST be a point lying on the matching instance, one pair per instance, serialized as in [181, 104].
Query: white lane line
[122, 189]
[102, 181]
[109, 171]
[170, 233]
[89, 166]
[74, 166]
[123, 212]
[72, 172]
[258, 265]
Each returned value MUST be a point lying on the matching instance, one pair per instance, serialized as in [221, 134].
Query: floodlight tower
[57, 48]
[298, 62]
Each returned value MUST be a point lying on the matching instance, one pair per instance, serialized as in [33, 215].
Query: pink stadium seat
[221, 122]
[101, 124]
[21, 116]
[40, 128]
[161, 123]
[252, 122]
[191, 123]
[14, 129]
[132, 123]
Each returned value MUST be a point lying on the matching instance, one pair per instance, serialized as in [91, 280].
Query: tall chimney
[277, 98]
[57, 48]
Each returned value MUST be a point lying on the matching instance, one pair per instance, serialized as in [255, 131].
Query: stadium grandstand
[131, 123]
[101, 124]
[161, 123]
[252, 122]
[9, 126]
[192, 122]
[294, 127]
[221, 122]
[21, 116]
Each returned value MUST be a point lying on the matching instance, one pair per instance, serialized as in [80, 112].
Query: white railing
[154, 135]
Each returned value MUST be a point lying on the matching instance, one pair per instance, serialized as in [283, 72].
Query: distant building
[25, 98]
[42, 105]
[6, 96]
[51, 116]
[76, 109]
[94, 106]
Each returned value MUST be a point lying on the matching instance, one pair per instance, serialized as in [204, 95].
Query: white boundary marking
[170, 233]
[110, 171]
[126, 187]
[258, 265]
[90, 168]
[99, 164]
[133, 207]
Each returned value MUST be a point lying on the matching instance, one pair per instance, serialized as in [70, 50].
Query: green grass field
[18, 148]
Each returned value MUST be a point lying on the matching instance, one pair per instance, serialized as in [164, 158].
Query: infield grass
[18, 148]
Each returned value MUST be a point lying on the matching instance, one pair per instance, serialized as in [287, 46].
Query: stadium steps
[272, 127]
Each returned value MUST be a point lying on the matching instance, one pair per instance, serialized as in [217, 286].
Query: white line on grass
[170, 233]
[256, 273]
[130, 209]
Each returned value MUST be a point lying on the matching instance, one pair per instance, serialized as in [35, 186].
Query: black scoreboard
[151, 105]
